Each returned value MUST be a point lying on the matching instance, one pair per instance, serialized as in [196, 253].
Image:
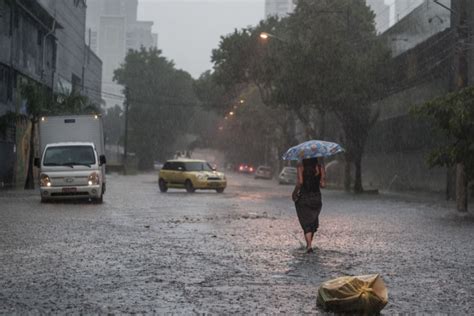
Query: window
[5, 84]
[198, 166]
[76, 83]
[69, 156]
[168, 166]
[4, 18]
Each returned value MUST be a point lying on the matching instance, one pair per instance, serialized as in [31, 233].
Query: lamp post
[265, 36]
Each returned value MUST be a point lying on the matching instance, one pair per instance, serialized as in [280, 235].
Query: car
[263, 172]
[245, 168]
[191, 175]
[288, 175]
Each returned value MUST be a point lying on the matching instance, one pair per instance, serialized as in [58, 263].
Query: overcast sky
[189, 29]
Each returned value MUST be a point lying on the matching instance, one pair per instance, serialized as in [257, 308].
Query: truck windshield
[69, 156]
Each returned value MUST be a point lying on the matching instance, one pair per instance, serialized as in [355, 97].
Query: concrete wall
[25, 53]
[425, 21]
[34, 47]
[399, 143]
[93, 77]
[71, 50]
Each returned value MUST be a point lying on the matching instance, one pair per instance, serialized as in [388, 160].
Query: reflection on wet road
[241, 251]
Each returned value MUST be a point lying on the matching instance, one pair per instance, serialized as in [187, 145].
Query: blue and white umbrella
[312, 149]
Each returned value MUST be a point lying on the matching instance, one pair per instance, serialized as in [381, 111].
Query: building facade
[280, 8]
[424, 21]
[41, 41]
[403, 7]
[425, 48]
[113, 29]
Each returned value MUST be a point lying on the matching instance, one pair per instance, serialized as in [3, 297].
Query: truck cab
[71, 170]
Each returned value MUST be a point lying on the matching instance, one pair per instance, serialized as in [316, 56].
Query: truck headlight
[94, 179]
[45, 181]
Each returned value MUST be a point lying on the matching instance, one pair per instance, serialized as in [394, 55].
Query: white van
[72, 163]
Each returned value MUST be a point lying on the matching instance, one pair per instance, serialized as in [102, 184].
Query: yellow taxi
[191, 175]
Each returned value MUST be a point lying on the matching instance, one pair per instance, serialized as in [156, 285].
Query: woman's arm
[322, 182]
[299, 183]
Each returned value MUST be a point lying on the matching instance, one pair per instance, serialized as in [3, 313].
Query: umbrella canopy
[312, 149]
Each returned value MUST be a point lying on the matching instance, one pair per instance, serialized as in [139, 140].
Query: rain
[236, 156]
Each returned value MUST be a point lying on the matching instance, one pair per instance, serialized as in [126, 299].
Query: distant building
[113, 29]
[404, 7]
[41, 41]
[280, 8]
[382, 14]
[423, 22]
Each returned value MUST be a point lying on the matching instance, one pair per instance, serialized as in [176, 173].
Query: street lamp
[266, 36]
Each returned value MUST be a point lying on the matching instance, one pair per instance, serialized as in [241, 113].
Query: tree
[248, 135]
[324, 58]
[213, 95]
[114, 125]
[336, 66]
[161, 102]
[453, 115]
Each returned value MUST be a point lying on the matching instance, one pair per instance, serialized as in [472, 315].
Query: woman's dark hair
[310, 162]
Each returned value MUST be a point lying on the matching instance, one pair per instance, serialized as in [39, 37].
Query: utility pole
[461, 27]
[125, 141]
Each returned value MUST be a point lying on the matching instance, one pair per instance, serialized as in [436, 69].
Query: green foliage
[114, 121]
[72, 102]
[211, 94]
[323, 58]
[39, 101]
[161, 103]
[453, 116]
[250, 133]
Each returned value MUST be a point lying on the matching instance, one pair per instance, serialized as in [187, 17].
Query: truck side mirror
[37, 162]
[102, 160]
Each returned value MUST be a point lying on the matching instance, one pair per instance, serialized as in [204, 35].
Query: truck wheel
[189, 186]
[221, 190]
[162, 185]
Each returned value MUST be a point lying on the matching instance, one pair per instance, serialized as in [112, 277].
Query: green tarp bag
[366, 294]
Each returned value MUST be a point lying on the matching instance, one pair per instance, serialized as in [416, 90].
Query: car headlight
[45, 181]
[94, 179]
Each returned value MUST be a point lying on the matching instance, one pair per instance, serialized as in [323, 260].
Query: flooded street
[239, 252]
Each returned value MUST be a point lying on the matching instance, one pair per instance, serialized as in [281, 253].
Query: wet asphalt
[142, 251]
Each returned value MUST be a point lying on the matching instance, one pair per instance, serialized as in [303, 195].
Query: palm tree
[38, 102]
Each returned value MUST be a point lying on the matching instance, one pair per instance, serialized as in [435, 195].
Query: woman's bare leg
[309, 239]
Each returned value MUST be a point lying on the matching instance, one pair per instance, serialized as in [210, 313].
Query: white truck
[72, 163]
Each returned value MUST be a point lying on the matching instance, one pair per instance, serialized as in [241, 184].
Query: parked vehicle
[245, 168]
[191, 175]
[72, 163]
[263, 172]
[288, 175]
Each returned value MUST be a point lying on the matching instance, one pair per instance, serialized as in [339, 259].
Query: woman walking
[307, 197]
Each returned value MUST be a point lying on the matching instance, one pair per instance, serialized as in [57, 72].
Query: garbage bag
[366, 294]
